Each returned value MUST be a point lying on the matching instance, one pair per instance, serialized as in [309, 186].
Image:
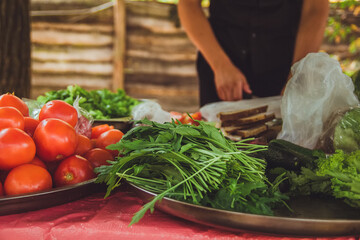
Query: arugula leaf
[196, 164]
[213, 132]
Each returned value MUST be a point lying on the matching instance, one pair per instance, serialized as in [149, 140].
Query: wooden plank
[73, 27]
[154, 9]
[104, 54]
[62, 81]
[142, 66]
[53, 37]
[60, 3]
[159, 90]
[105, 17]
[175, 56]
[119, 44]
[104, 69]
[155, 25]
[72, 54]
[159, 43]
[162, 79]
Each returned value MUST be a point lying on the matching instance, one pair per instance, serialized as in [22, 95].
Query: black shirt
[259, 37]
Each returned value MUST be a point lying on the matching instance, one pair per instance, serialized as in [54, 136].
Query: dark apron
[259, 37]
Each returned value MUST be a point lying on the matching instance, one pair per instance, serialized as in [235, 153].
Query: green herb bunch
[196, 164]
[100, 104]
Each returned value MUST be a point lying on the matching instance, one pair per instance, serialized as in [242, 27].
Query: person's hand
[230, 83]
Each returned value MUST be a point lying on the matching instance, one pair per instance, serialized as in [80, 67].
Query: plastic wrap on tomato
[191, 118]
[84, 122]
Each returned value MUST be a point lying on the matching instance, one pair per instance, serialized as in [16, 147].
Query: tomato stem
[69, 177]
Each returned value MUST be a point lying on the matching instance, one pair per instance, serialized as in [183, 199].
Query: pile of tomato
[49, 151]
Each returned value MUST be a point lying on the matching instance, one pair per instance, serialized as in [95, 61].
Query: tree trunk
[15, 60]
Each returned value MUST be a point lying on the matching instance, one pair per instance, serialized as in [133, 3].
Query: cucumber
[285, 154]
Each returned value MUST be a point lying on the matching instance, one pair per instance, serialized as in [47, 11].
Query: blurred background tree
[15, 47]
[343, 30]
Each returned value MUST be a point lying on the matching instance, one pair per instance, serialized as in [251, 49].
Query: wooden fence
[85, 46]
[81, 49]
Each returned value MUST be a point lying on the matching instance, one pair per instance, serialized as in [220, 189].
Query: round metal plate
[311, 217]
[45, 199]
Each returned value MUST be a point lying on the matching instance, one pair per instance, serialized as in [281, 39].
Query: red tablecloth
[96, 218]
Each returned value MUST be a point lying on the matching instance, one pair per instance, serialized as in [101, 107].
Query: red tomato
[1, 189]
[99, 129]
[72, 170]
[30, 125]
[10, 117]
[83, 146]
[55, 140]
[98, 157]
[109, 137]
[16, 148]
[93, 142]
[38, 162]
[196, 116]
[27, 178]
[10, 100]
[191, 120]
[61, 110]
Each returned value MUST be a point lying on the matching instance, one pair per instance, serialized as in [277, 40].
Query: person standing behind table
[247, 47]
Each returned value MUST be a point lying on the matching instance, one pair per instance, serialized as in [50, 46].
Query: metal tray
[45, 199]
[311, 217]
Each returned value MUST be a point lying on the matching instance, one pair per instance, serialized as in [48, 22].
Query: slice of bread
[254, 131]
[249, 122]
[233, 115]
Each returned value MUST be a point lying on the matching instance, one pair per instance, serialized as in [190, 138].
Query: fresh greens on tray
[312, 172]
[101, 104]
[196, 164]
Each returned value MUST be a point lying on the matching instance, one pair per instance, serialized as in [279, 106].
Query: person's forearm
[199, 31]
[311, 28]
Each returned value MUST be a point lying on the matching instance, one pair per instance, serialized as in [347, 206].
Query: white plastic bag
[318, 88]
[150, 110]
